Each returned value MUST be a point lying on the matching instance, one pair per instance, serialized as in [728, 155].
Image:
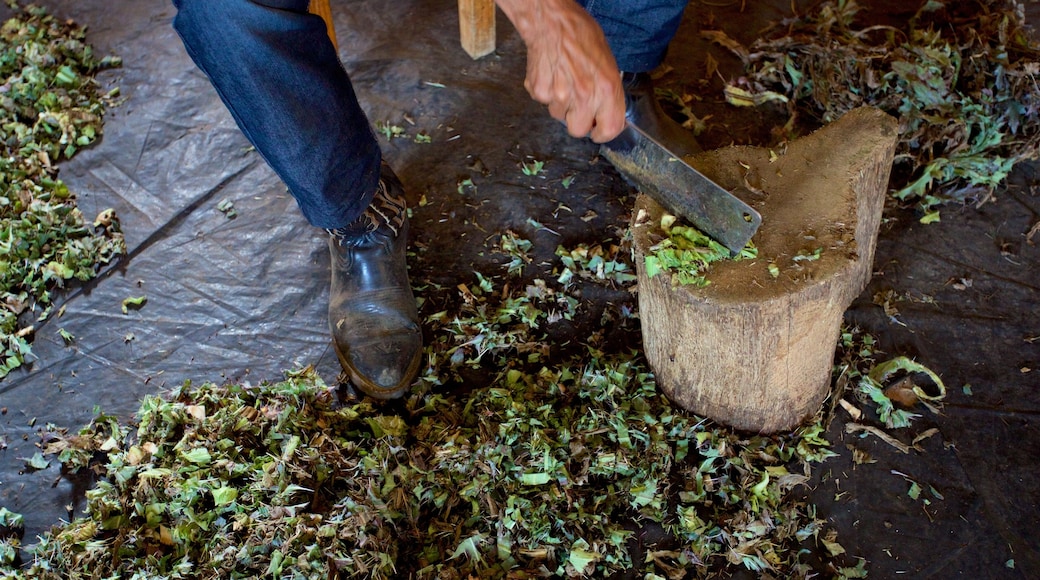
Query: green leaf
[833, 548]
[37, 462]
[859, 571]
[470, 547]
[134, 302]
[930, 218]
[533, 168]
[65, 75]
[653, 266]
[9, 519]
[224, 495]
[915, 490]
[582, 559]
[198, 455]
[881, 373]
[535, 478]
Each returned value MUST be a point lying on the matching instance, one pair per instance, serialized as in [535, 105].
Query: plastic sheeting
[244, 299]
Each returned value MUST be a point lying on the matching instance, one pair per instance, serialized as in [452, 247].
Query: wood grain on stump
[753, 350]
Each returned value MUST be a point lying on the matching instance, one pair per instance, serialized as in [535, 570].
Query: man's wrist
[528, 16]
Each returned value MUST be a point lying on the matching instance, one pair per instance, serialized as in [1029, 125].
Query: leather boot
[643, 109]
[372, 312]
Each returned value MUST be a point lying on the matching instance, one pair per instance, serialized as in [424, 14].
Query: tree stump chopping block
[754, 349]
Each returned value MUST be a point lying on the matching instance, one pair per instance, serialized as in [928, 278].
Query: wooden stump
[755, 350]
[477, 27]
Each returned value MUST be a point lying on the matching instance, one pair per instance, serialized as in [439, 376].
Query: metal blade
[681, 189]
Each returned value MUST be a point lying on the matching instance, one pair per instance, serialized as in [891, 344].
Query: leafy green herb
[687, 253]
[535, 472]
[930, 217]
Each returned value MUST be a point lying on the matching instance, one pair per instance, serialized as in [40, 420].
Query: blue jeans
[275, 69]
[638, 31]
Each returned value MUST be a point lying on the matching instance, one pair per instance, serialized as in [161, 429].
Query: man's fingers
[558, 111]
[608, 125]
[579, 122]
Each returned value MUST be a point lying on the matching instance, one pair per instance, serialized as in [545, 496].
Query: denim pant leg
[638, 31]
[275, 68]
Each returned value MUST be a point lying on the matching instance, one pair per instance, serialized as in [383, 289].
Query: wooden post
[477, 27]
[755, 348]
[322, 8]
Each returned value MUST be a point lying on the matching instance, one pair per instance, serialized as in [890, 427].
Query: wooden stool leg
[321, 8]
[477, 27]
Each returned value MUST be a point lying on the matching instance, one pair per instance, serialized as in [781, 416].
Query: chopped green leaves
[227, 207]
[535, 471]
[687, 253]
[605, 265]
[51, 107]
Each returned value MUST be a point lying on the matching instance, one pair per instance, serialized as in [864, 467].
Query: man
[276, 70]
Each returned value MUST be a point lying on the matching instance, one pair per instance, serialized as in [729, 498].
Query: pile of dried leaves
[961, 76]
[541, 475]
[51, 107]
[548, 469]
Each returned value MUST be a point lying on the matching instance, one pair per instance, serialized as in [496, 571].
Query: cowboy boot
[372, 312]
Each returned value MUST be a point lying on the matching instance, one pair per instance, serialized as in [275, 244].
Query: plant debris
[961, 77]
[596, 263]
[51, 108]
[542, 469]
[536, 474]
[687, 253]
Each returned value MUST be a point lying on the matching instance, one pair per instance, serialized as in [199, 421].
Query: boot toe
[383, 366]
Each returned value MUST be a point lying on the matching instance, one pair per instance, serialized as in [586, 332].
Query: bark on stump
[751, 350]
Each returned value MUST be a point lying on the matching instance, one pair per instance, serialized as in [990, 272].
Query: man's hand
[569, 66]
